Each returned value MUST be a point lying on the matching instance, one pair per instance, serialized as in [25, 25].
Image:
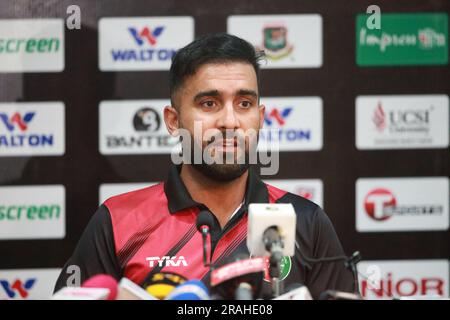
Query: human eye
[245, 104]
[208, 104]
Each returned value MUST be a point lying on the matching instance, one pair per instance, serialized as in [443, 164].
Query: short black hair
[212, 48]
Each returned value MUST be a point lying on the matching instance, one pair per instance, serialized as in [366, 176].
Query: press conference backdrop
[362, 114]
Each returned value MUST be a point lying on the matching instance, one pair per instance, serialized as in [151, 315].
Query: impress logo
[31, 45]
[405, 39]
[144, 43]
[402, 204]
[28, 129]
[17, 287]
[146, 34]
[294, 123]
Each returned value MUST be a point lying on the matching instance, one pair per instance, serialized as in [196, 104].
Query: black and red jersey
[130, 233]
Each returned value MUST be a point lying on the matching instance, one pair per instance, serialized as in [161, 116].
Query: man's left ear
[171, 120]
[262, 110]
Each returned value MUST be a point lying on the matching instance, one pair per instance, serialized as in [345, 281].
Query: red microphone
[103, 281]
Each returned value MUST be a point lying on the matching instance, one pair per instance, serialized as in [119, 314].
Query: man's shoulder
[138, 202]
[303, 207]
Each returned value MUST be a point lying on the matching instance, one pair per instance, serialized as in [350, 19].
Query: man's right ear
[171, 120]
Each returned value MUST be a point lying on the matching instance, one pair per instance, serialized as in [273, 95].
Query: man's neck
[222, 198]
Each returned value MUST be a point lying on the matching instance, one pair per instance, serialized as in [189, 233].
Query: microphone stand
[274, 244]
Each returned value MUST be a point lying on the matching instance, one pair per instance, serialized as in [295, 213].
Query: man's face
[222, 97]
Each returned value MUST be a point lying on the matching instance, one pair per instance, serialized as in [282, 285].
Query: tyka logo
[22, 288]
[166, 261]
[17, 120]
[376, 202]
[146, 34]
[276, 115]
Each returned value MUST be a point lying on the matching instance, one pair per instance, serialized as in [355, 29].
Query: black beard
[222, 172]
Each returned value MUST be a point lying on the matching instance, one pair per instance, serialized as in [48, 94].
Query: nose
[228, 119]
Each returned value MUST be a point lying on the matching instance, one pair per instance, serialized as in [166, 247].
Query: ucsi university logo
[146, 34]
[18, 287]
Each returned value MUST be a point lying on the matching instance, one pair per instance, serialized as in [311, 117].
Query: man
[214, 83]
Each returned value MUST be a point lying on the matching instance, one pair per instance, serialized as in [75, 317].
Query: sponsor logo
[31, 129]
[28, 45]
[399, 279]
[275, 44]
[134, 127]
[405, 39]
[311, 189]
[277, 118]
[285, 268]
[17, 287]
[388, 122]
[32, 212]
[288, 41]
[109, 190]
[142, 43]
[294, 123]
[166, 261]
[20, 284]
[402, 204]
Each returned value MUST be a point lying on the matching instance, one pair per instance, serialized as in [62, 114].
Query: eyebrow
[216, 93]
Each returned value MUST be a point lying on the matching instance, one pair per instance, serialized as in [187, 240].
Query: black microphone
[205, 222]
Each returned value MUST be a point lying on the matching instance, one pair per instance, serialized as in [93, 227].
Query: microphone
[162, 284]
[99, 287]
[339, 295]
[205, 222]
[295, 291]
[240, 280]
[128, 290]
[271, 231]
[103, 281]
[190, 290]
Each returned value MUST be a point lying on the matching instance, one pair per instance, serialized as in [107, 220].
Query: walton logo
[166, 261]
[146, 34]
[379, 118]
[376, 203]
[278, 116]
[290, 134]
[17, 119]
[18, 286]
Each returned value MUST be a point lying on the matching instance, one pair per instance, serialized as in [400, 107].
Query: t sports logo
[146, 34]
[376, 203]
[17, 287]
[17, 119]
